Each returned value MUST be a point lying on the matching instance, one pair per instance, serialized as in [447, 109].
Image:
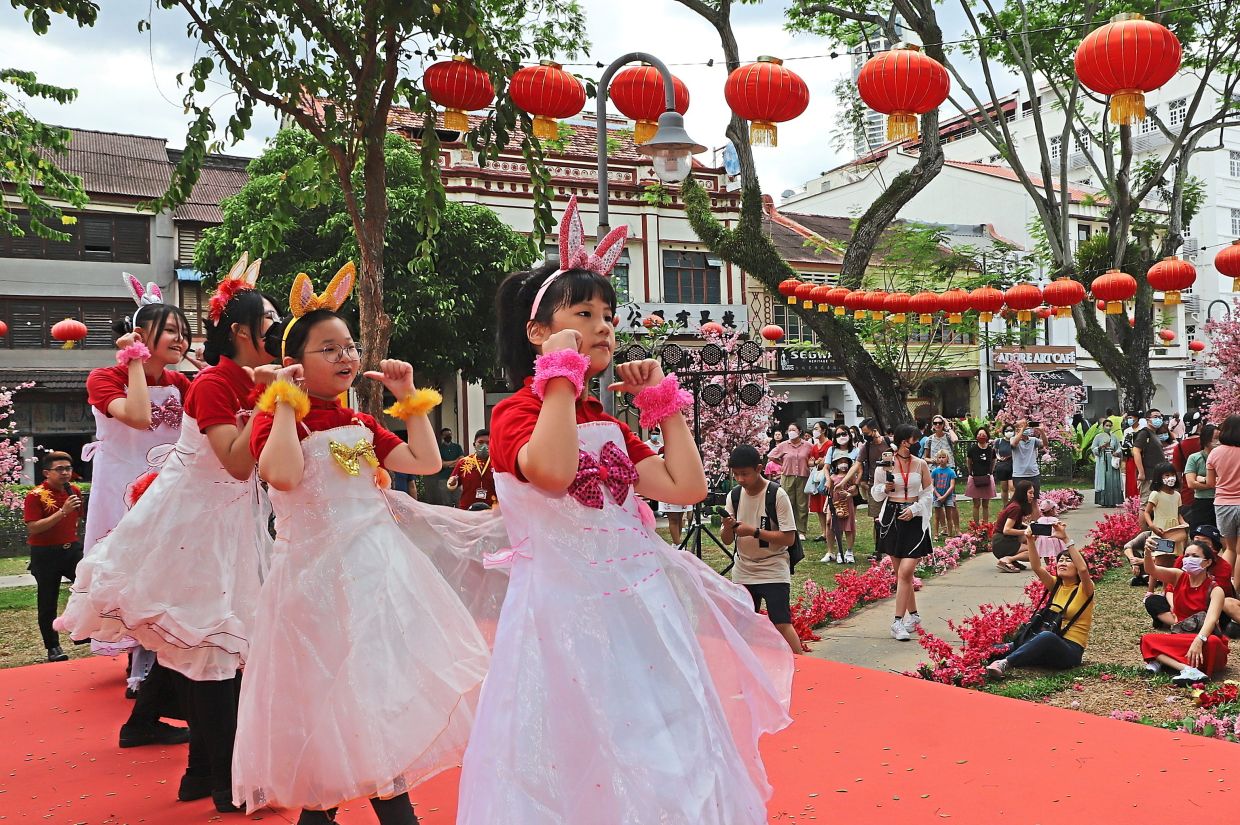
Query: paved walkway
[21, 580]
[864, 638]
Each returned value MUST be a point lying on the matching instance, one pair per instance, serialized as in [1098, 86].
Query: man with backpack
[761, 521]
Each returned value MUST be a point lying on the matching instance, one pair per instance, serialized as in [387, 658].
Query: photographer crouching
[758, 516]
[902, 483]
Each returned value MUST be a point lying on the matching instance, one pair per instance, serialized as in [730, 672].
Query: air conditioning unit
[1191, 247]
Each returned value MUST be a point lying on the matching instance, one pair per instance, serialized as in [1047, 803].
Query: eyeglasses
[272, 315]
[335, 353]
[60, 469]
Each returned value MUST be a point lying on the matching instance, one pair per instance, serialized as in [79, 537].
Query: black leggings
[395, 811]
[211, 710]
[158, 696]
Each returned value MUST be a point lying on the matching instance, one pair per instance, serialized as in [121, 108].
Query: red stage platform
[867, 747]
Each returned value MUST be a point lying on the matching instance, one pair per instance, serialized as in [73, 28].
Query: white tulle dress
[365, 662]
[181, 572]
[629, 683]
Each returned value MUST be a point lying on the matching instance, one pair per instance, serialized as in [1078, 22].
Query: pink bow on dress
[612, 469]
[167, 413]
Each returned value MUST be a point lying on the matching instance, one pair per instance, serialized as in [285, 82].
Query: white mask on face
[1168, 481]
[794, 434]
[1193, 565]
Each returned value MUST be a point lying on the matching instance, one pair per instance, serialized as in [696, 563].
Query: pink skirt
[980, 487]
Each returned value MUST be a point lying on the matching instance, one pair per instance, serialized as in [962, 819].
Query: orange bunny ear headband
[302, 300]
[243, 275]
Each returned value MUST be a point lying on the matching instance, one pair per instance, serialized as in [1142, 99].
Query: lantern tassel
[644, 131]
[823, 307]
[985, 317]
[1024, 316]
[792, 300]
[1235, 284]
[1063, 312]
[925, 318]
[546, 128]
[455, 120]
[763, 133]
[1115, 307]
[68, 344]
[807, 304]
[954, 318]
[899, 318]
[840, 311]
[859, 315]
[1127, 107]
[901, 126]
[1171, 298]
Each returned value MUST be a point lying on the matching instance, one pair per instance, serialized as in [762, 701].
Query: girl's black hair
[1207, 552]
[296, 341]
[154, 316]
[903, 433]
[516, 296]
[1229, 432]
[1020, 494]
[245, 308]
[1208, 434]
[1156, 481]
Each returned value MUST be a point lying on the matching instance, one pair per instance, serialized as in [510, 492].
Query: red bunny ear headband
[243, 275]
[575, 255]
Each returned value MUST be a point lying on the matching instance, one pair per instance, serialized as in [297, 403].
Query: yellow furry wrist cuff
[419, 402]
[283, 391]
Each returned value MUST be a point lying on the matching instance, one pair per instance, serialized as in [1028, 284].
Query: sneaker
[156, 733]
[1189, 676]
[911, 622]
[848, 558]
[997, 669]
[827, 559]
[194, 787]
[839, 558]
[899, 632]
[1153, 667]
[802, 535]
[821, 538]
[55, 654]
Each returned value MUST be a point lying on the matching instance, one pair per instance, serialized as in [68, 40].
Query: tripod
[698, 526]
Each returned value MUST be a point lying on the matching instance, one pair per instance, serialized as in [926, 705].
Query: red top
[513, 420]
[65, 530]
[1220, 570]
[1179, 459]
[476, 477]
[326, 414]
[1188, 600]
[1011, 511]
[218, 394]
[106, 384]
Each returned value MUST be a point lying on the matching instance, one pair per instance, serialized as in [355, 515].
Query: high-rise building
[874, 124]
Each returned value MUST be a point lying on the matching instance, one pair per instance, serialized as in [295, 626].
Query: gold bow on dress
[349, 457]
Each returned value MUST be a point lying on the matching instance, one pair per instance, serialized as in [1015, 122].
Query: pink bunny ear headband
[575, 255]
[142, 296]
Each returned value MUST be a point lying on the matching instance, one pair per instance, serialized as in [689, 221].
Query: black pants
[49, 565]
[395, 811]
[211, 710]
[157, 697]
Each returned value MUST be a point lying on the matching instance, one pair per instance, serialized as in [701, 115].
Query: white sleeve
[878, 488]
[924, 506]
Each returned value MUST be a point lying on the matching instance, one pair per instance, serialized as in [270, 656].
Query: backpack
[795, 552]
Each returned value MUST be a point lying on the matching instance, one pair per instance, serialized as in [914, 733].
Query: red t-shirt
[1220, 570]
[1179, 460]
[513, 420]
[326, 414]
[476, 477]
[106, 384]
[65, 530]
[218, 394]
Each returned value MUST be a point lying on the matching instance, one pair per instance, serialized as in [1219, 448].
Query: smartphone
[1166, 547]
[1041, 529]
[721, 511]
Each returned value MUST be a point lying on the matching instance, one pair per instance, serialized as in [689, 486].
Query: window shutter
[187, 238]
[27, 325]
[191, 303]
[29, 245]
[96, 237]
[132, 239]
[99, 317]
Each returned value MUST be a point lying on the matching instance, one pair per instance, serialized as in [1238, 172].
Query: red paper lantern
[1169, 276]
[459, 86]
[70, 331]
[712, 328]
[1063, 294]
[1101, 305]
[898, 305]
[548, 93]
[855, 303]
[987, 301]
[4, 329]
[1115, 287]
[1227, 262]
[1125, 58]
[637, 92]
[836, 296]
[1044, 313]
[925, 304]
[955, 303]
[765, 93]
[1197, 346]
[1023, 298]
[1167, 335]
[903, 84]
[788, 288]
[876, 303]
[805, 294]
[819, 296]
[773, 333]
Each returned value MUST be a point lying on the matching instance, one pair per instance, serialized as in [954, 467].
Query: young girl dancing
[629, 683]
[362, 658]
[137, 407]
[181, 572]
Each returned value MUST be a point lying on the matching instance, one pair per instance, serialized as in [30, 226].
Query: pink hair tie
[564, 363]
[136, 351]
[661, 401]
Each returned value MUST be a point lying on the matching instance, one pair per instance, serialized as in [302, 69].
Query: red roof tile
[222, 177]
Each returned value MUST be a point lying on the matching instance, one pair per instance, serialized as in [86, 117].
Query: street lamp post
[671, 150]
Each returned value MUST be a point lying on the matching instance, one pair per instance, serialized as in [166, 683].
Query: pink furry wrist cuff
[563, 363]
[136, 351]
[661, 401]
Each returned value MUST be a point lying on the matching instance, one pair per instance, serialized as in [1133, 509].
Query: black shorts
[777, 596]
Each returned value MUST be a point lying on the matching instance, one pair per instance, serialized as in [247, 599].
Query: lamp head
[671, 149]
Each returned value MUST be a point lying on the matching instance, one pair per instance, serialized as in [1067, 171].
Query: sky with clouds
[126, 80]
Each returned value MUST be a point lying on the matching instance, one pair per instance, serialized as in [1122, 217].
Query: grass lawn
[20, 643]
[13, 565]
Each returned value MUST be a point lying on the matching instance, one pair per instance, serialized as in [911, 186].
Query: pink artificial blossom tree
[1224, 395]
[1029, 398]
[11, 461]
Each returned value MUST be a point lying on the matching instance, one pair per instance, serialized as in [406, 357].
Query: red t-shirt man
[42, 502]
[476, 479]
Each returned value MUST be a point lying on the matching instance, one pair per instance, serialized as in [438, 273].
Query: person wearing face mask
[942, 437]
[1161, 512]
[1070, 599]
[1223, 474]
[1149, 450]
[474, 477]
[1192, 650]
[1108, 483]
[793, 458]
[980, 462]
[817, 485]
[903, 527]
[1003, 465]
[1027, 444]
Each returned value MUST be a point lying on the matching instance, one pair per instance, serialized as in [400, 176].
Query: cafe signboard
[1035, 359]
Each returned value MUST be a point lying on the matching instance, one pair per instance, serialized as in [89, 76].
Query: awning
[189, 275]
[1059, 378]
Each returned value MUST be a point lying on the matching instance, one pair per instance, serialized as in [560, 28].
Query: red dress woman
[1196, 654]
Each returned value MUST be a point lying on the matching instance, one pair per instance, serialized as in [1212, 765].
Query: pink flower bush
[1029, 398]
[1065, 499]
[816, 605]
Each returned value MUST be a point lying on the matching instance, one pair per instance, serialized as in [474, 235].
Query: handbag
[816, 484]
[1116, 461]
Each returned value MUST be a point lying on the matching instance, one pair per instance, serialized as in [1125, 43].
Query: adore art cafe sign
[1035, 359]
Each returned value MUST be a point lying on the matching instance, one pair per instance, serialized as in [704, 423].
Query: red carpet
[867, 747]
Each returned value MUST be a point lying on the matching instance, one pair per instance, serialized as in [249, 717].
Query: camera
[886, 460]
[1035, 423]
[1041, 529]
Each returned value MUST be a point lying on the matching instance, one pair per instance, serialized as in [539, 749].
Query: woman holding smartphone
[902, 483]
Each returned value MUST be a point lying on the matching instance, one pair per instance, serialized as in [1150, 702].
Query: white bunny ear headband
[575, 255]
[142, 296]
